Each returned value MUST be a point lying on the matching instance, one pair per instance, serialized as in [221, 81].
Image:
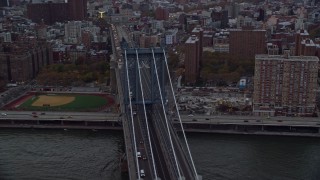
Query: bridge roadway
[156, 164]
[116, 65]
[165, 157]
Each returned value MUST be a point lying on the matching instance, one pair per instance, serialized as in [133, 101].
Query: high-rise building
[246, 43]
[161, 13]
[48, 13]
[285, 85]
[77, 9]
[4, 3]
[198, 31]
[224, 19]
[22, 62]
[192, 59]
[52, 12]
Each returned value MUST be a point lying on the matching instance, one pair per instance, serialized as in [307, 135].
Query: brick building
[161, 13]
[198, 31]
[22, 62]
[57, 12]
[147, 41]
[285, 85]
[77, 9]
[304, 46]
[48, 12]
[246, 43]
[192, 59]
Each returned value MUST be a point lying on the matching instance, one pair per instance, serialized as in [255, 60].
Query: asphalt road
[295, 121]
[76, 116]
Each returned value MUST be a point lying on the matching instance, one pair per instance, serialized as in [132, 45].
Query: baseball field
[67, 102]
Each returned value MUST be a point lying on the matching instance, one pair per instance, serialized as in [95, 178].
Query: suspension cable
[165, 115]
[145, 114]
[175, 102]
[131, 113]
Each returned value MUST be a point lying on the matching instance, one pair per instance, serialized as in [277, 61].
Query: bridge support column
[262, 128]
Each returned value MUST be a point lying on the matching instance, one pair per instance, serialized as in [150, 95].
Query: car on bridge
[138, 154]
[144, 157]
[142, 174]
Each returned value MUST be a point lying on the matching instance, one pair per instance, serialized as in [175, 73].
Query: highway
[207, 119]
[247, 120]
[71, 116]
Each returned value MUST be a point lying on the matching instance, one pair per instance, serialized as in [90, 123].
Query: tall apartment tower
[285, 85]
[4, 3]
[198, 31]
[77, 9]
[246, 43]
[192, 59]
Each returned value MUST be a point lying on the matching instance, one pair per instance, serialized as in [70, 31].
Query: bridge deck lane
[185, 168]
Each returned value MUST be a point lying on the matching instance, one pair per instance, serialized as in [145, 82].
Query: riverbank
[194, 127]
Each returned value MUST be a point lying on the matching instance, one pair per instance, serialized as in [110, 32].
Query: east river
[94, 155]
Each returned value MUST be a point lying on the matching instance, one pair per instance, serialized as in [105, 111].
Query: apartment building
[192, 59]
[285, 85]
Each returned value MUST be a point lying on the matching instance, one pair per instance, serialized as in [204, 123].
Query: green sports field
[64, 102]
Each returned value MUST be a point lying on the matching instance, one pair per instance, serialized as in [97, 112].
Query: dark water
[58, 154]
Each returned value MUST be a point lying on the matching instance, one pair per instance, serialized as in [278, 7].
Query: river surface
[94, 155]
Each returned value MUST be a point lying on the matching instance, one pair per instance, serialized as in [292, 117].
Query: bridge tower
[147, 68]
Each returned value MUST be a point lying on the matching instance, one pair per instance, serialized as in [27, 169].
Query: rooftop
[282, 58]
[192, 39]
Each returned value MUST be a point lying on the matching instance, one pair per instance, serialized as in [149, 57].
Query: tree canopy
[217, 67]
[74, 74]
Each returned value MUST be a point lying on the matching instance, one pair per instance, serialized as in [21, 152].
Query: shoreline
[187, 130]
